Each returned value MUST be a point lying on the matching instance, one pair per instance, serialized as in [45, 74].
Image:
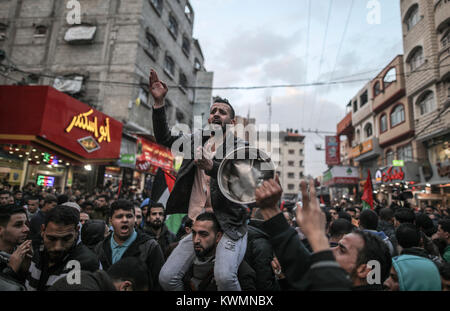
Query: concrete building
[117, 41]
[426, 45]
[365, 147]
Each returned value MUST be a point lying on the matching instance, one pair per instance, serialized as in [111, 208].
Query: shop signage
[46, 181]
[89, 144]
[332, 150]
[82, 121]
[127, 158]
[443, 169]
[362, 148]
[151, 154]
[398, 163]
[391, 174]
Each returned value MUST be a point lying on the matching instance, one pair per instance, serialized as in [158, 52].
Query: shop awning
[43, 116]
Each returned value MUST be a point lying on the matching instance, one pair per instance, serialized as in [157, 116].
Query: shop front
[435, 173]
[342, 182]
[53, 140]
[397, 182]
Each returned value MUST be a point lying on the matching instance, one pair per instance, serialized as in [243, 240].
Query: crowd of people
[102, 242]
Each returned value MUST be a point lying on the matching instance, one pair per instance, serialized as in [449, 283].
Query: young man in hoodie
[413, 273]
[155, 227]
[125, 241]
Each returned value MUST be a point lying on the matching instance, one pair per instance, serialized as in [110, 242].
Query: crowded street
[295, 162]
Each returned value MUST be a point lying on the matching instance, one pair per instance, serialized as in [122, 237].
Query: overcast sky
[262, 43]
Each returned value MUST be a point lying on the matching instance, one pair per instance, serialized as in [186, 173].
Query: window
[377, 88]
[416, 59]
[40, 31]
[173, 26]
[152, 46]
[389, 157]
[301, 175]
[405, 153]
[290, 187]
[3, 28]
[180, 116]
[189, 12]
[397, 115]
[291, 163]
[157, 5]
[197, 64]
[383, 123]
[368, 130]
[301, 152]
[291, 175]
[445, 41]
[363, 99]
[427, 103]
[357, 137]
[186, 47]
[169, 65]
[301, 163]
[412, 18]
[355, 106]
[390, 77]
[183, 81]
[291, 151]
[143, 96]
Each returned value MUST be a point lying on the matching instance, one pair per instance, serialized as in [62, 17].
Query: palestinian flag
[367, 198]
[161, 189]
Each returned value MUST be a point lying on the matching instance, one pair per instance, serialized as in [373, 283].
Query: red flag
[321, 200]
[367, 197]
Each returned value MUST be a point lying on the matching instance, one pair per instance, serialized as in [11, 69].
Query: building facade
[105, 61]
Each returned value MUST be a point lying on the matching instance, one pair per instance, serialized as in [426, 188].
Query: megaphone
[242, 171]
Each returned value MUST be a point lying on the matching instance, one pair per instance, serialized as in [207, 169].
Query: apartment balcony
[366, 150]
[345, 127]
[389, 85]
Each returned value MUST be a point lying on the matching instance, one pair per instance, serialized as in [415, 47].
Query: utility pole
[269, 103]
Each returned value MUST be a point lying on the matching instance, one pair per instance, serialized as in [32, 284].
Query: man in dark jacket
[126, 242]
[325, 269]
[59, 248]
[36, 222]
[206, 234]
[154, 226]
[196, 189]
[259, 255]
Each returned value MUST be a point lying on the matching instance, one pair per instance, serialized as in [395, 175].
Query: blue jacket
[416, 273]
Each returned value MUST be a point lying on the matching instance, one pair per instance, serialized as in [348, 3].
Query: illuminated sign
[48, 158]
[89, 144]
[46, 181]
[391, 174]
[82, 121]
[398, 162]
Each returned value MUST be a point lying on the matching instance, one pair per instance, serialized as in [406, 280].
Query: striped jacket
[40, 276]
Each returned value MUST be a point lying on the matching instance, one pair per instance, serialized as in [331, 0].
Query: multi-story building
[105, 61]
[426, 45]
[365, 147]
[292, 163]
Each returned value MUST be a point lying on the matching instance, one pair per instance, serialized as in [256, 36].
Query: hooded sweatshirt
[416, 273]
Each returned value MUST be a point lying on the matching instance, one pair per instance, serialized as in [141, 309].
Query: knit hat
[416, 273]
[72, 204]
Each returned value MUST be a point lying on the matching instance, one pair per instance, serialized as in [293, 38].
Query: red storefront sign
[150, 156]
[391, 174]
[44, 116]
[332, 150]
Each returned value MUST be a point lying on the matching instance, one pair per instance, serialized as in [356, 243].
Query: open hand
[21, 256]
[158, 89]
[311, 219]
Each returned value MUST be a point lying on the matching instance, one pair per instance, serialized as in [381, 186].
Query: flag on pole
[367, 198]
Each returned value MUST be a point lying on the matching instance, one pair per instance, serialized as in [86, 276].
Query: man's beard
[202, 253]
[156, 224]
